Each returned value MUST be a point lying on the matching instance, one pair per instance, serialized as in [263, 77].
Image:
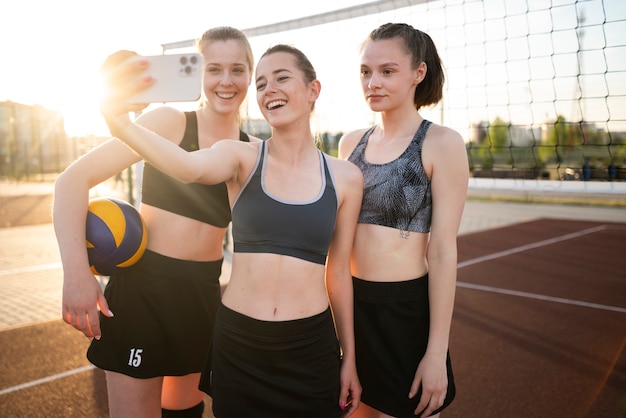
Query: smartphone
[177, 78]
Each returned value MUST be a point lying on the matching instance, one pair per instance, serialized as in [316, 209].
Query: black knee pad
[193, 412]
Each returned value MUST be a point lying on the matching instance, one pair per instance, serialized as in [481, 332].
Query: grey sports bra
[264, 224]
[396, 194]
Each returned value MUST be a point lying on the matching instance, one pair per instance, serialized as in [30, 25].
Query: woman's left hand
[432, 377]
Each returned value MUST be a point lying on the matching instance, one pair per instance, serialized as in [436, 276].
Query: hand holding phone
[177, 78]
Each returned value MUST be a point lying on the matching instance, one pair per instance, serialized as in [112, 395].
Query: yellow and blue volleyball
[116, 235]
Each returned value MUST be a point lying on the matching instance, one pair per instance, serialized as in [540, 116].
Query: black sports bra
[205, 203]
[265, 224]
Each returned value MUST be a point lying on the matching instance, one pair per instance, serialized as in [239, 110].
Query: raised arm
[122, 81]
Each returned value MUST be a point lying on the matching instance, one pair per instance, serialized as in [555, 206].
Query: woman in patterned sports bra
[278, 348]
[164, 306]
[404, 255]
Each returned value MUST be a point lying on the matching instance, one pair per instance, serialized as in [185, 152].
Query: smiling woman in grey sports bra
[278, 348]
[404, 255]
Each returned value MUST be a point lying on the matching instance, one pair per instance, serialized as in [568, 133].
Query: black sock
[193, 412]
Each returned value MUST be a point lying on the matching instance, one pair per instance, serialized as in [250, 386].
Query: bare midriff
[181, 237]
[384, 254]
[274, 287]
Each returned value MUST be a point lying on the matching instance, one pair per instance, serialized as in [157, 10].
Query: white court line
[535, 295]
[540, 297]
[30, 269]
[459, 284]
[46, 379]
[531, 246]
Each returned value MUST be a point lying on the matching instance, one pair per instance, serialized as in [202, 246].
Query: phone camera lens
[193, 59]
[183, 60]
[188, 70]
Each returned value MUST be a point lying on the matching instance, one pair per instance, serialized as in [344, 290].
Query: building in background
[33, 141]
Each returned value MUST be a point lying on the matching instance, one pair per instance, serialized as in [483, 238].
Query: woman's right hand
[82, 296]
[122, 79]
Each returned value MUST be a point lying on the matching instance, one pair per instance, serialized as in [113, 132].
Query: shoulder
[349, 141]
[238, 147]
[348, 182]
[344, 171]
[443, 147]
[443, 134]
[166, 121]
[235, 158]
[254, 138]
[245, 153]
[251, 140]
[441, 138]
[157, 114]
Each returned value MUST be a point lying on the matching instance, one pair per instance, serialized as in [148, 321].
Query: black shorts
[391, 334]
[164, 315]
[267, 369]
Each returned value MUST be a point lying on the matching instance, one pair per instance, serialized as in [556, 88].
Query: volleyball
[116, 235]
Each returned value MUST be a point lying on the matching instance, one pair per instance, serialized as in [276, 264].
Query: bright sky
[52, 49]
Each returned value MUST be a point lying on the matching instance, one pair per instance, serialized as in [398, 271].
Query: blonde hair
[223, 34]
[226, 33]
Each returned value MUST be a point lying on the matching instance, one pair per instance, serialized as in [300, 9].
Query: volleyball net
[537, 88]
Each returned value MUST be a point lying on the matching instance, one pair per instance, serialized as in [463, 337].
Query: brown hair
[302, 61]
[421, 48]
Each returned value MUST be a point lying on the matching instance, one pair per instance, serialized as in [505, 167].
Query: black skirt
[391, 329]
[164, 313]
[273, 369]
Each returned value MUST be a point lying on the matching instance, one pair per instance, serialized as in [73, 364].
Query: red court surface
[539, 330]
[539, 325]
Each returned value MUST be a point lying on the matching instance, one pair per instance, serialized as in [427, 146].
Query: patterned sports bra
[396, 194]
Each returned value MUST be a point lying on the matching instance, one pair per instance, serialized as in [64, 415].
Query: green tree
[496, 142]
[557, 136]
[499, 133]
